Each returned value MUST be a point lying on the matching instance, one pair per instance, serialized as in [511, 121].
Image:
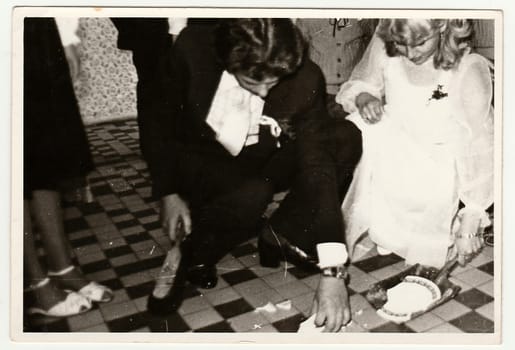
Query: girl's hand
[468, 240]
[370, 107]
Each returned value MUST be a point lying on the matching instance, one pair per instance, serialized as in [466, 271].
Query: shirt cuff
[176, 24]
[331, 254]
[68, 27]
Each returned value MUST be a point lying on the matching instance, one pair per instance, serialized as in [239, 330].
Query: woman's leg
[49, 215]
[46, 295]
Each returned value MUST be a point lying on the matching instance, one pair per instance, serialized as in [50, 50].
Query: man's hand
[370, 107]
[331, 304]
[174, 213]
[72, 56]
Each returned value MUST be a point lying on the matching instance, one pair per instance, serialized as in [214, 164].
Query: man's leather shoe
[271, 254]
[203, 275]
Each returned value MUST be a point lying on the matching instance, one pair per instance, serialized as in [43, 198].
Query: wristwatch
[339, 272]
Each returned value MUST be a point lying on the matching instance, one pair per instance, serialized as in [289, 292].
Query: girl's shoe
[93, 290]
[73, 304]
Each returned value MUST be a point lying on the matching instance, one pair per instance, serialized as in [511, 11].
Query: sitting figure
[423, 103]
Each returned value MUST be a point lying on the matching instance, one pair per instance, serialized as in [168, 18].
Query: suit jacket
[297, 103]
[141, 33]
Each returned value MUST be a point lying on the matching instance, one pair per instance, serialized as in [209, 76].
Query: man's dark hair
[259, 47]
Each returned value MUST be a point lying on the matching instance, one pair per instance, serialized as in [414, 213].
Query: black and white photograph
[252, 173]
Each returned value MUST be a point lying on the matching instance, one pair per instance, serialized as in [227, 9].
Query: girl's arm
[367, 76]
[475, 156]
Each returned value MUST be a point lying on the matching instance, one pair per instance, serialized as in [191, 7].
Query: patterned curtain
[106, 87]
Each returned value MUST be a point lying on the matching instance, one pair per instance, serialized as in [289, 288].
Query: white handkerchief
[234, 115]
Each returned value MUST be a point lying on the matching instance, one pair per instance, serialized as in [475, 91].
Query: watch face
[335, 271]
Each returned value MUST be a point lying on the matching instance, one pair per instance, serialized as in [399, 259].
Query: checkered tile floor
[117, 241]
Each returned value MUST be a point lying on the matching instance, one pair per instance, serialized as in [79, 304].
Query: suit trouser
[151, 105]
[230, 195]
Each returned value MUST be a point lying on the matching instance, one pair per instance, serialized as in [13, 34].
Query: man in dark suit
[248, 119]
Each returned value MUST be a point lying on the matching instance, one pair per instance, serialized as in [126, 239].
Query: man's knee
[255, 193]
[239, 209]
[246, 205]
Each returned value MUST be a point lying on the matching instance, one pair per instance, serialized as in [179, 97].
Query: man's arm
[312, 93]
[331, 304]
[172, 172]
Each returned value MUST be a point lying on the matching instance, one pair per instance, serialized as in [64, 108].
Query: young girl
[423, 104]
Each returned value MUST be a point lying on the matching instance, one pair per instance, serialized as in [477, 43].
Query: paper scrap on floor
[269, 307]
[309, 326]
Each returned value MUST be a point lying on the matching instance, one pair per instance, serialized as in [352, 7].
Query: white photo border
[356, 338]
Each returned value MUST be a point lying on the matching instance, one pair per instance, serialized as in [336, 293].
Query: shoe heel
[269, 255]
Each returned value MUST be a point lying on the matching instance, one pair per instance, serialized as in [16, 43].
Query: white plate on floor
[414, 294]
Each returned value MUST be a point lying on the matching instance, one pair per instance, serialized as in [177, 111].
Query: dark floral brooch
[438, 93]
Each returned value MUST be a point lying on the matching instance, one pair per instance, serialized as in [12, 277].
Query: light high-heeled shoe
[73, 304]
[167, 295]
[93, 290]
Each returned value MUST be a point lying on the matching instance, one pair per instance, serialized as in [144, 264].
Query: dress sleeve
[367, 76]
[475, 153]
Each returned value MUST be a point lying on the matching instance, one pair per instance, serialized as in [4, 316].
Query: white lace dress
[432, 148]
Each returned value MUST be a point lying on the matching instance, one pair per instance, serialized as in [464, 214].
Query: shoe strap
[61, 272]
[38, 285]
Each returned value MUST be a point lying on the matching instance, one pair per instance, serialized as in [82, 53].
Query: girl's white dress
[432, 148]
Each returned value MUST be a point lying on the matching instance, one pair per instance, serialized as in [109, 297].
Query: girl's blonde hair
[454, 41]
